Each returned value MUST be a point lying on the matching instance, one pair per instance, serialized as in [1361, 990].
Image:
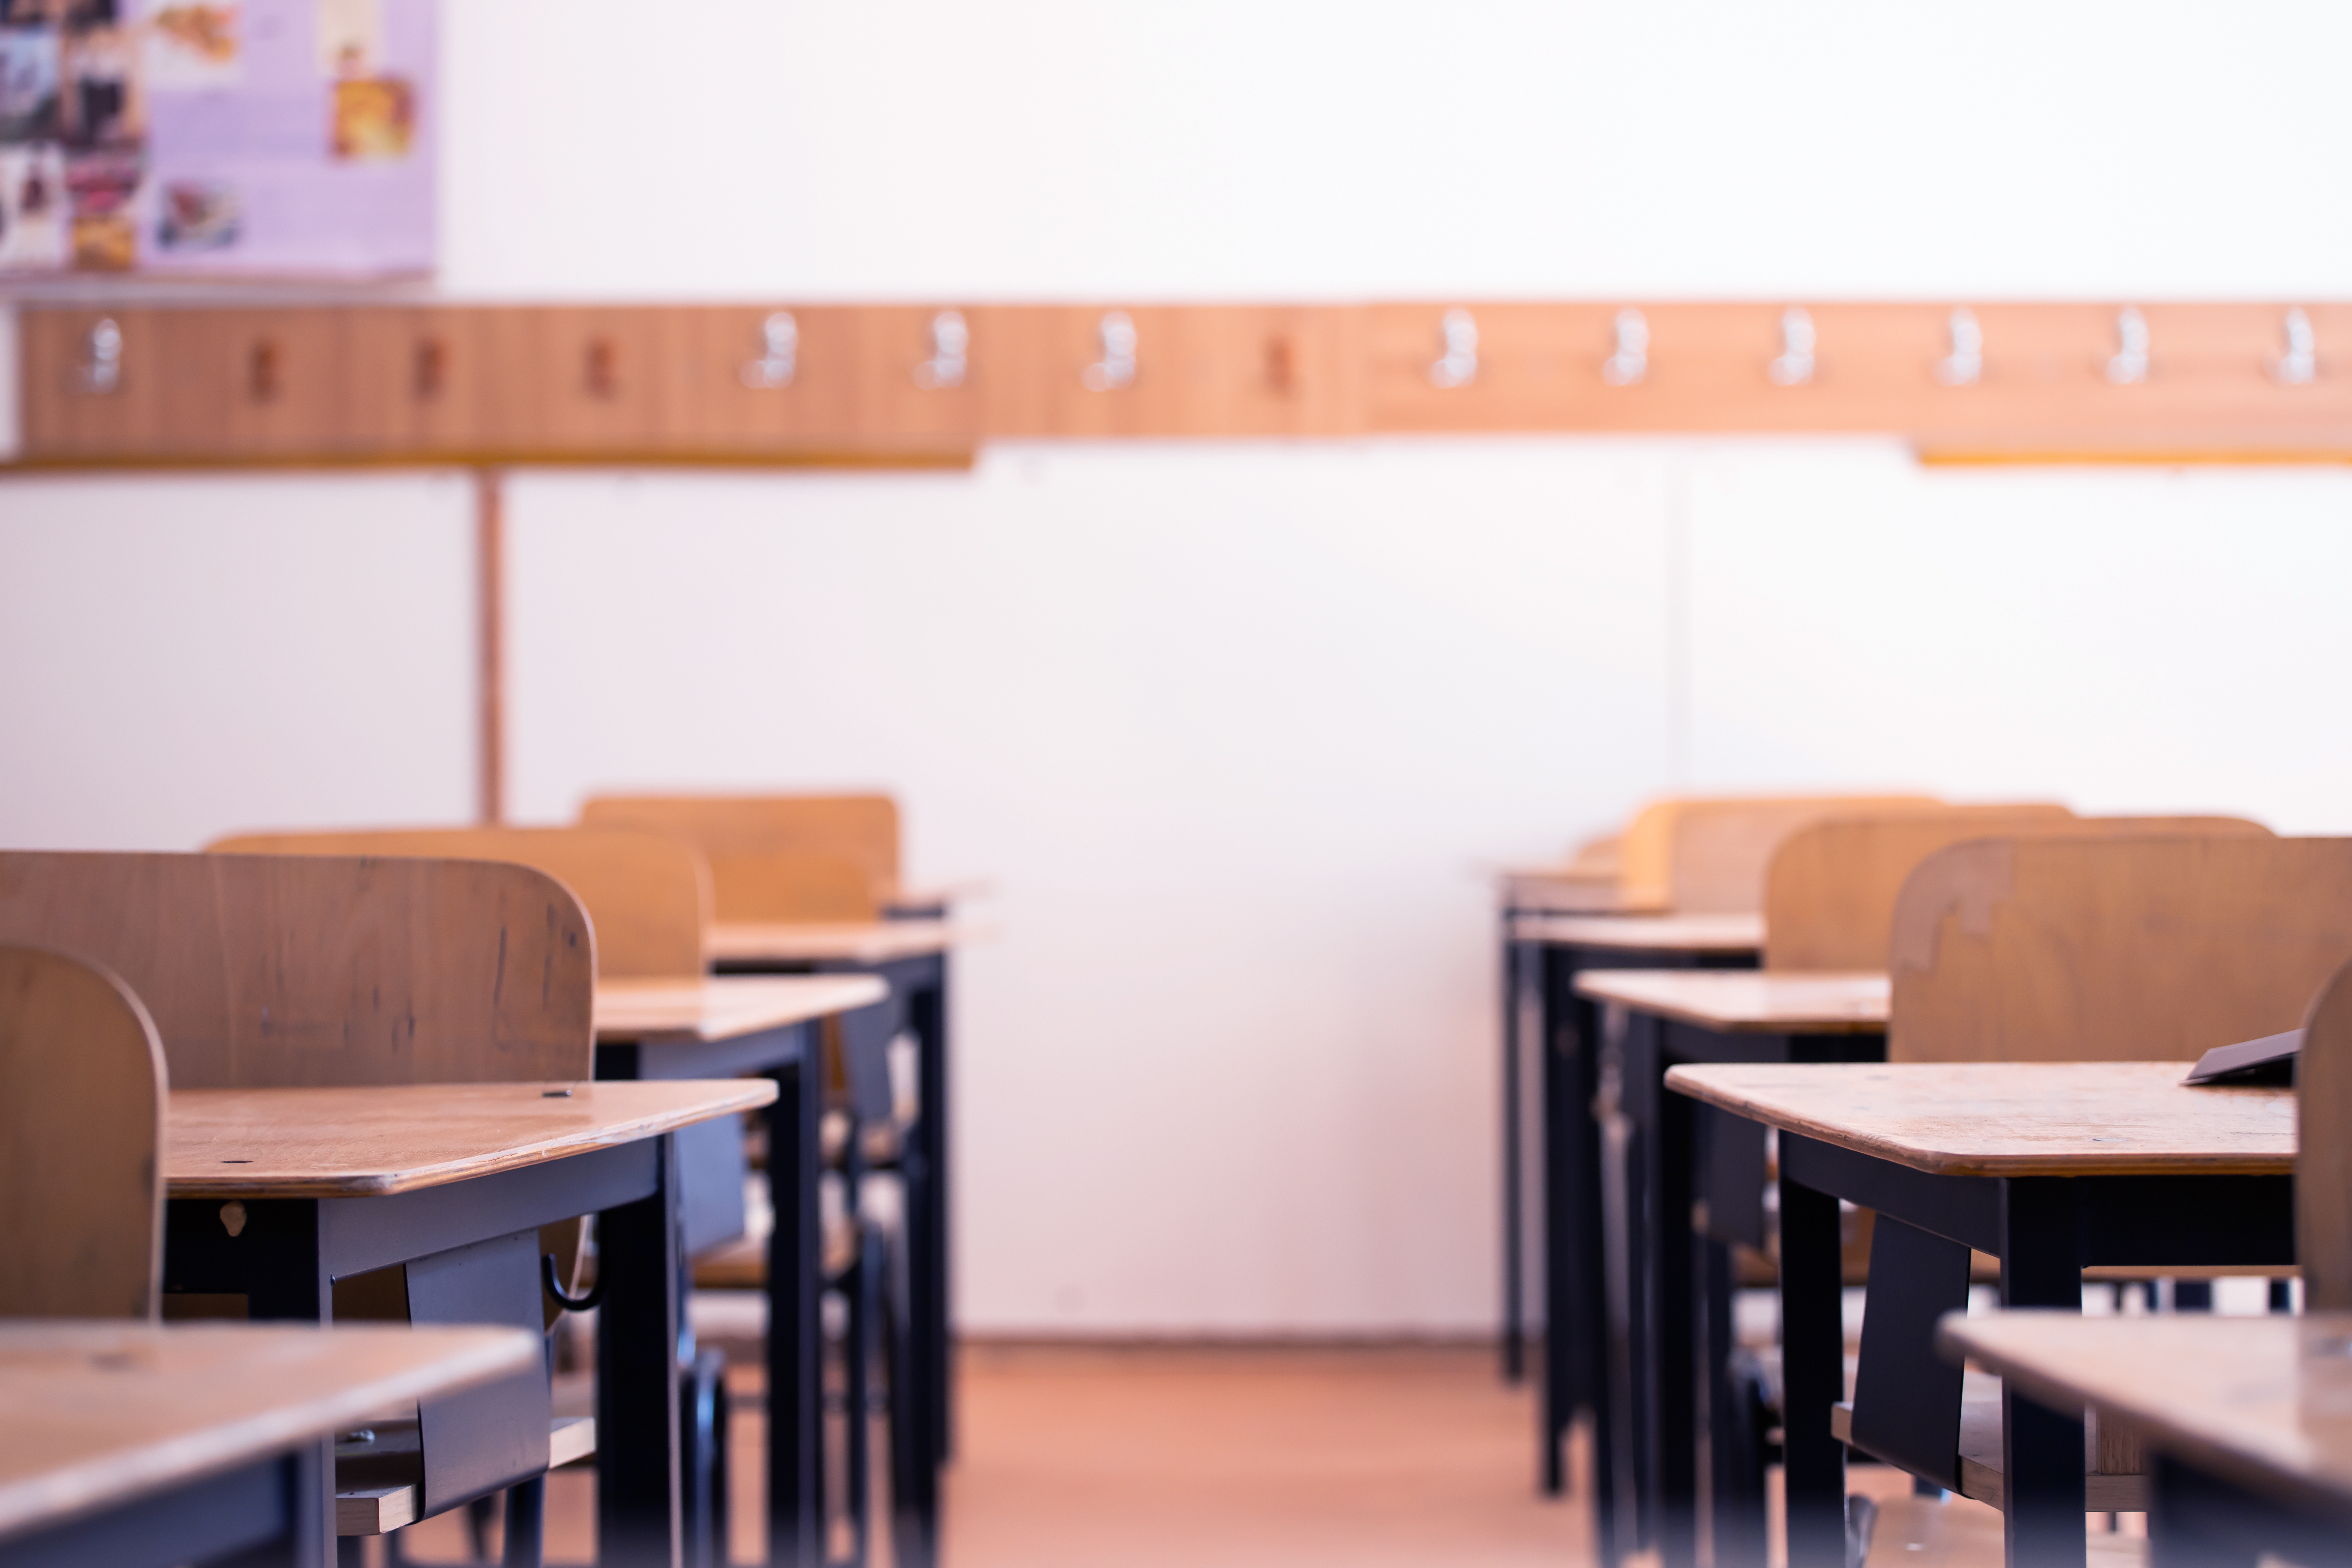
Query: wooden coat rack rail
[240, 385]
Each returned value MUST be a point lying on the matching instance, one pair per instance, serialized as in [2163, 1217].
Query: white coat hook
[781, 336]
[1460, 365]
[1631, 363]
[2299, 364]
[1964, 366]
[949, 341]
[1795, 365]
[2128, 367]
[101, 370]
[1116, 369]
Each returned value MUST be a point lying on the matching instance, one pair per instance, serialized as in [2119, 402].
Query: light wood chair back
[1707, 854]
[273, 971]
[1829, 898]
[81, 1141]
[2114, 948]
[2322, 1160]
[648, 894]
[784, 859]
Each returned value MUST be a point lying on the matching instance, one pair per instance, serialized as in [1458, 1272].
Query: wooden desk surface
[1740, 1001]
[2264, 1401]
[92, 1414]
[874, 943]
[725, 1008]
[1648, 933]
[348, 1142]
[2014, 1119]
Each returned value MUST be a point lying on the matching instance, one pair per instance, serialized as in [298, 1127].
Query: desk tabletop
[875, 942]
[92, 1413]
[366, 1142]
[725, 1008]
[1647, 933]
[1744, 1001]
[2266, 1402]
[2014, 1119]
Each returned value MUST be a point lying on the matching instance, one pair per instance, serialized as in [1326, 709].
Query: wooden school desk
[1551, 951]
[720, 1027]
[2050, 1167]
[911, 957]
[131, 1444]
[274, 1194]
[2247, 1421]
[1670, 1303]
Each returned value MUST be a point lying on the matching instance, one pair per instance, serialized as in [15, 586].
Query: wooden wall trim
[918, 385]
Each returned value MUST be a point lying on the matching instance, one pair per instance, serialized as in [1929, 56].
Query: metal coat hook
[1116, 369]
[949, 341]
[2129, 365]
[781, 335]
[1460, 365]
[1964, 366]
[2299, 364]
[1795, 365]
[101, 370]
[1631, 363]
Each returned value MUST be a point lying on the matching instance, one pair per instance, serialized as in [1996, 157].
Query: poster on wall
[262, 137]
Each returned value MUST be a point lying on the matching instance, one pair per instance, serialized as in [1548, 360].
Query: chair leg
[700, 1460]
[525, 1546]
[478, 1514]
[911, 1526]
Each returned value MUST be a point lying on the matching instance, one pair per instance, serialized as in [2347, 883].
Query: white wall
[1230, 724]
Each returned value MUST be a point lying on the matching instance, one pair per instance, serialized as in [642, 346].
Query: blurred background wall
[1234, 727]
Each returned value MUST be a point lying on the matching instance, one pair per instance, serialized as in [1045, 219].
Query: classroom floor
[1078, 1456]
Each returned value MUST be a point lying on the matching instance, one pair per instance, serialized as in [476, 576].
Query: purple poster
[261, 137]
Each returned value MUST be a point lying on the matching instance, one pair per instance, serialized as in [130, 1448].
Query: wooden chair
[1830, 894]
[780, 858]
[2114, 948]
[81, 1141]
[1706, 855]
[267, 971]
[2322, 1159]
[648, 894]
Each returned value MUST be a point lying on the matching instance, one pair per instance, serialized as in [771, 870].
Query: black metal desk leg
[1812, 1349]
[795, 1319]
[928, 1214]
[1571, 1222]
[1679, 1346]
[639, 1263]
[1514, 1221]
[2042, 1450]
[286, 1281]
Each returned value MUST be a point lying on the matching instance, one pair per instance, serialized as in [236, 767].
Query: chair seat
[742, 1264]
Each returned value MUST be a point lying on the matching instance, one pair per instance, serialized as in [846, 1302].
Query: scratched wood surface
[81, 1135]
[2265, 1401]
[2114, 949]
[1747, 1002]
[347, 1142]
[2013, 1119]
[1647, 933]
[648, 894]
[725, 1006]
[265, 970]
[92, 1414]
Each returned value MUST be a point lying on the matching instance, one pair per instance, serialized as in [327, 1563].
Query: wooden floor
[1079, 1458]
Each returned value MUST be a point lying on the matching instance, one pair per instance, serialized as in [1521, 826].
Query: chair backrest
[275, 971]
[81, 1141]
[1706, 855]
[812, 857]
[2114, 949]
[648, 893]
[2322, 1159]
[1829, 898]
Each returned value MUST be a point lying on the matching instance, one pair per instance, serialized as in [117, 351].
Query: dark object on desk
[2269, 1059]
